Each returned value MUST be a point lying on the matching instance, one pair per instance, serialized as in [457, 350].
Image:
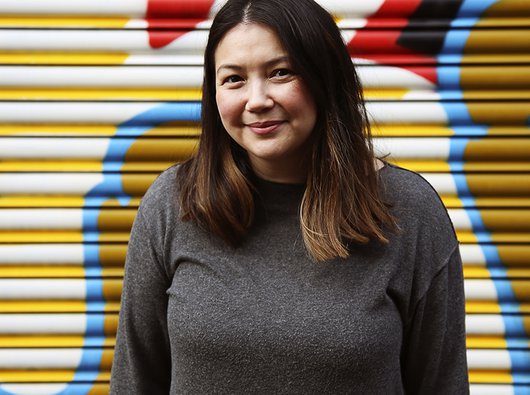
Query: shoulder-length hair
[342, 202]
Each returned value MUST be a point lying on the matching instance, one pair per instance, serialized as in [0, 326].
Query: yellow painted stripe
[492, 307]
[482, 272]
[38, 341]
[482, 307]
[466, 237]
[411, 131]
[489, 377]
[28, 21]
[52, 130]
[64, 58]
[53, 271]
[385, 93]
[44, 201]
[452, 202]
[44, 376]
[441, 131]
[486, 342]
[76, 166]
[182, 129]
[423, 165]
[52, 166]
[58, 237]
[48, 236]
[43, 306]
[476, 272]
[83, 93]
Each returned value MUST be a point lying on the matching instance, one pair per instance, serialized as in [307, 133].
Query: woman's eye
[232, 79]
[279, 73]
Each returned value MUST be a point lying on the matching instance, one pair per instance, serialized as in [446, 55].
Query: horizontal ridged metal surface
[98, 97]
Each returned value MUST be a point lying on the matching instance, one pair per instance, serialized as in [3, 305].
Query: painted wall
[99, 96]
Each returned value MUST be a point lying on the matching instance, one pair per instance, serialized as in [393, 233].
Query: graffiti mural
[98, 97]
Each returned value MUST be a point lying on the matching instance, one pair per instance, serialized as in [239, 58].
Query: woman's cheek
[225, 106]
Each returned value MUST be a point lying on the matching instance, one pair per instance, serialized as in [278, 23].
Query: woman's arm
[434, 354]
[142, 361]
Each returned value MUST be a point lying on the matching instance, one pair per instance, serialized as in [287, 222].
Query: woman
[283, 257]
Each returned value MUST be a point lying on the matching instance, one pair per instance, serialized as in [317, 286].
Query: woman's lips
[264, 127]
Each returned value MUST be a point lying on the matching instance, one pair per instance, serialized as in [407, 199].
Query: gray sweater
[199, 317]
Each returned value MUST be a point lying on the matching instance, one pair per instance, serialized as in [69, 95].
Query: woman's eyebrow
[269, 63]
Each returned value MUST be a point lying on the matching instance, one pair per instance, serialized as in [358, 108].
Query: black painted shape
[437, 14]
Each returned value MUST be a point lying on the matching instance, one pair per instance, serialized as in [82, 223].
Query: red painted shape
[397, 9]
[380, 45]
[179, 9]
[167, 20]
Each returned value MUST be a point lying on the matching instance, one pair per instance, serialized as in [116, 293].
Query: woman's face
[264, 105]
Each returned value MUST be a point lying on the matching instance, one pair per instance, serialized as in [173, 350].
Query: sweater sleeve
[142, 361]
[434, 355]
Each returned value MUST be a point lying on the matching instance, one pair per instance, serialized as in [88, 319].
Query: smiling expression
[264, 104]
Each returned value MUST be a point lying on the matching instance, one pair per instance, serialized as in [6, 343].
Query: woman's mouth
[264, 127]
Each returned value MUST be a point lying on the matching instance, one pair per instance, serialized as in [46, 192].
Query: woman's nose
[258, 98]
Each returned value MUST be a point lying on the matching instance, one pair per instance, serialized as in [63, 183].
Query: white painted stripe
[472, 254]
[35, 389]
[488, 359]
[94, 112]
[392, 77]
[51, 148]
[484, 324]
[443, 183]
[192, 42]
[48, 184]
[74, 40]
[350, 23]
[161, 58]
[12, 289]
[114, 76]
[460, 219]
[347, 9]
[52, 358]
[491, 389]
[39, 254]
[42, 324]
[480, 290]
[30, 219]
[421, 95]
[78, 7]
[416, 148]
[404, 113]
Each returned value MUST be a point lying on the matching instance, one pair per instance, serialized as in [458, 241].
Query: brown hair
[216, 184]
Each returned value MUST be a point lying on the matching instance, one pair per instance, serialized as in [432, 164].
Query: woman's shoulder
[162, 194]
[408, 188]
[413, 199]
